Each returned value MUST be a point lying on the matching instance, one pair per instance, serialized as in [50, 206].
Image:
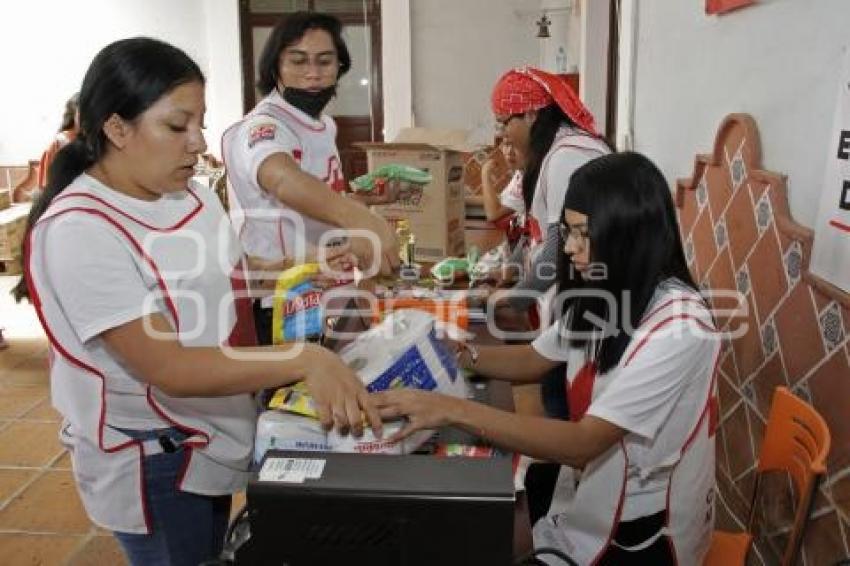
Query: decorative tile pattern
[702, 192]
[790, 335]
[764, 212]
[768, 337]
[737, 169]
[802, 391]
[749, 392]
[832, 327]
[689, 250]
[721, 237]
[742, 280]
[793, 260]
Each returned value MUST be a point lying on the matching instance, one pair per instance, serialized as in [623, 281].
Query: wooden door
[358, 107]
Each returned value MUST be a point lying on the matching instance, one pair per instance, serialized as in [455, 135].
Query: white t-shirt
[101, 285]
[101, 259]
[570, 150]
[268, 228]
[657, 397]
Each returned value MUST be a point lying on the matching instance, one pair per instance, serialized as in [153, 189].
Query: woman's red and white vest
[204, 311]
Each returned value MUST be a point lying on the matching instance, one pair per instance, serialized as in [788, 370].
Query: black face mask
[311, 103]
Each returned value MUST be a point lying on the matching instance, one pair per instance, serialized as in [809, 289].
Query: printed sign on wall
[831, 250]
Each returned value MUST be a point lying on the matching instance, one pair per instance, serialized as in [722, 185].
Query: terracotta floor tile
[44, 412]
[15, 400]
[63, 463]
[822, 542]
[11, 481]
[29, 444]
[50, 504]
[704, 246]
[32, 371]
[741, 226]
[99, 550]
[738, 443]
[828, 386]
[21, 348]
[799, 333]
[37, 550]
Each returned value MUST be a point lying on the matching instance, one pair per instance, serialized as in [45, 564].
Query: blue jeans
[186, 529]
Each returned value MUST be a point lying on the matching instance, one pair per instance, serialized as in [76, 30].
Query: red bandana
[523, 89]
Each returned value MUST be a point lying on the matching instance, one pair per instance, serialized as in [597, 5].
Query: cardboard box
[11, 266]
[437, 219]
[13, 223]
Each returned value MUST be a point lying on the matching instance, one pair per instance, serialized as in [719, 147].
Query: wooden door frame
[613, 72]
[249, 20]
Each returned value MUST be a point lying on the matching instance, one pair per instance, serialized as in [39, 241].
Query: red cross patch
[260, 133]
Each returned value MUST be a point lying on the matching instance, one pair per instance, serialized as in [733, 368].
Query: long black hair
[125, 79]
[541, 136]
[633, 233]
[289, 30]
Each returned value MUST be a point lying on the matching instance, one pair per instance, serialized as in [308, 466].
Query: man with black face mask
[285, 177]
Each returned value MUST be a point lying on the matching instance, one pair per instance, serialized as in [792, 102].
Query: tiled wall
[738, 234]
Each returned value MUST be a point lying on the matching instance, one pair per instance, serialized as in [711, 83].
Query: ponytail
[71, 161]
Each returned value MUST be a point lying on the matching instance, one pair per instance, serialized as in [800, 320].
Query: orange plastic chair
[797, 441]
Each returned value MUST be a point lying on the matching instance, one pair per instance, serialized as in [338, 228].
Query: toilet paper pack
[402, 351]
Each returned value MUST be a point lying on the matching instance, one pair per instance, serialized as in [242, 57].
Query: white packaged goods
[401, 351]
[404, 351]
[286, 431]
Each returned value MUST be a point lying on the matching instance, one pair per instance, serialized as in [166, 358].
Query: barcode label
[291, 470]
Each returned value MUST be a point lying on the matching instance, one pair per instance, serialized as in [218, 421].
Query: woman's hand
[336, 266]
[386, 255]
[339, 395]
[423, 409]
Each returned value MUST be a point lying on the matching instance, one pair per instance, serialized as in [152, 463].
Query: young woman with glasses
[285, 177]
[636, 475]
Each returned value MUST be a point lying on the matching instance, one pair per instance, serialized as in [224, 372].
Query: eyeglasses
[500, 125]
[580, 235]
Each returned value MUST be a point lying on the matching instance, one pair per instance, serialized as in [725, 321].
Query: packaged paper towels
[401, 351]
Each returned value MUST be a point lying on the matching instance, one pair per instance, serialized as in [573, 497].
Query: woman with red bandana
[542, 117]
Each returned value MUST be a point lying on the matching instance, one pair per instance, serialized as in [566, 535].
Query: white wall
[777, 60]
[565, 33]
[224, 69]
[396, 69]
[46, 46]
[593, 67]
[459, 50]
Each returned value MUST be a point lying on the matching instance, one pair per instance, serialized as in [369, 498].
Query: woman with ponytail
[136, 276]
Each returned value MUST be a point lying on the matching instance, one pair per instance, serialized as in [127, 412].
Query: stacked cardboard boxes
[437, 218]
[13, 222]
